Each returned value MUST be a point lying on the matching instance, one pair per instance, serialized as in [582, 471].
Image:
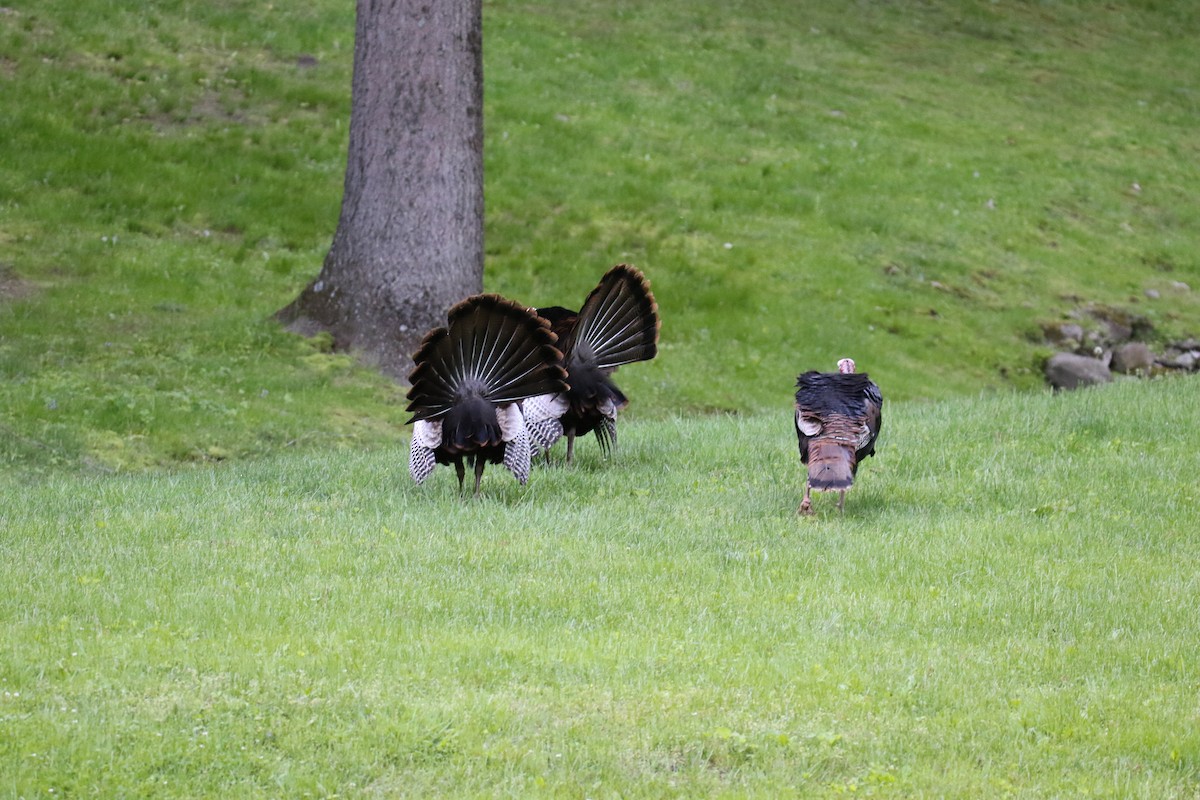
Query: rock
[1185, 360]
[1069, 333]
[1121, 325]
[1180, 286]
[1117, 330]
[1072, 331]
[1132, 358]
[1153, 294]
[1070, 371]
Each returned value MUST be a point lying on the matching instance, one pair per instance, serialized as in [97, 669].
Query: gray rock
[1118, 331]
[1132, 358]
[1063, 336]
[1070, 371]
[1186, 360]
[1068, 333]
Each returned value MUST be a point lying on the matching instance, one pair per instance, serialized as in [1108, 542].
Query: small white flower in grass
[729, 245]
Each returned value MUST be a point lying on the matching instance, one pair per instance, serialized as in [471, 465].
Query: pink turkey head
[846, 366]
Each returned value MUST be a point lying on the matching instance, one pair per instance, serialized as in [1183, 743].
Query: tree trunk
[409, 241]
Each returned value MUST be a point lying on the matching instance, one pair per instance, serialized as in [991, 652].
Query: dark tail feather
[618, 323]
[491, 349]
[606, 435]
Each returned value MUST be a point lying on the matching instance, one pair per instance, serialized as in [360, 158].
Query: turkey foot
[805, 504]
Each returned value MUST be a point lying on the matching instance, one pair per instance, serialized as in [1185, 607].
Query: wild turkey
[468, 382]
[618, 324]
[838, 415]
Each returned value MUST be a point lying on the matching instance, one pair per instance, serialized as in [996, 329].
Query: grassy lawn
[219, 581]
[1007, 608]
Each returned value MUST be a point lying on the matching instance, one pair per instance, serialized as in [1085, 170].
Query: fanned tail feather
[491, 348]
[618, 323]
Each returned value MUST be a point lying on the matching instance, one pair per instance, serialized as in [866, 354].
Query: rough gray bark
[409, 241]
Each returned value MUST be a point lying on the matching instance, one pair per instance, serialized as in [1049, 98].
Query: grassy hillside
[917, 185]
[1006, 609]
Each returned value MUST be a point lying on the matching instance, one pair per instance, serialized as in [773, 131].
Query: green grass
[1005, 609]
[171, 176]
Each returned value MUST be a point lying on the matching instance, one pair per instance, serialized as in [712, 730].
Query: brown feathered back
[838, 418]
[832, 460]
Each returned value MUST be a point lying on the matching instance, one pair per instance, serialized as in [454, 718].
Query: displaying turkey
[617, 324]
[468, 383]
[838, 415]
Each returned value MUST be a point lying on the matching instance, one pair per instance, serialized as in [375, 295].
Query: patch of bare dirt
[210, 106]
[12, 287]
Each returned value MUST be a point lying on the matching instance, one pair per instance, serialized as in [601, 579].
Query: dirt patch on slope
[12, 287]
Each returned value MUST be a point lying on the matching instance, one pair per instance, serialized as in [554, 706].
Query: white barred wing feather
[543, 414]
[517, 455]
[426, 436]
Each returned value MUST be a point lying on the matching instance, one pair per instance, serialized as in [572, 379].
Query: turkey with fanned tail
[838, 416]
[468, 383]
[617, 324]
